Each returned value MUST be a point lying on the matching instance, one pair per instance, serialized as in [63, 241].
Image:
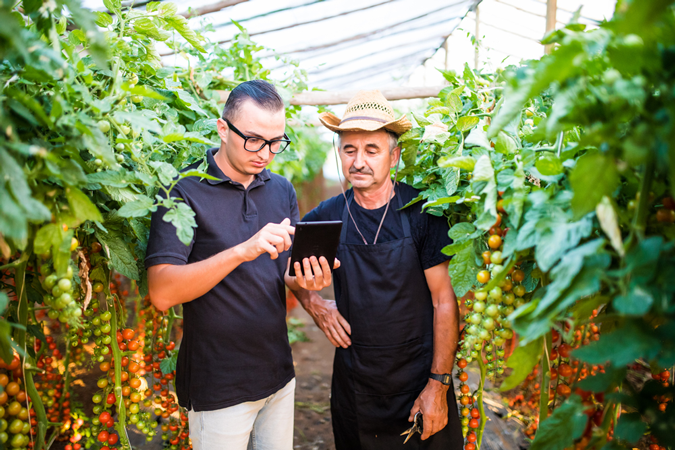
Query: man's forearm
[446, 334]
[172, 285]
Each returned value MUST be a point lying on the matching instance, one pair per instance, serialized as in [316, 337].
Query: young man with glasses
[235, 370]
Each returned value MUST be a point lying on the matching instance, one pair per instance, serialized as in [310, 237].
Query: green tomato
[119, 147]
[65, 284]
[106, 340]
[3, 425]
[3, 437]
[496, 270]
[97, 398]
[136, 98]
[611, 76]
[119, 158]
[633, 40]
[96, 321]
[484, 334]
[509, 298]
[106, 316]
[77, 312]
[134, 408]
[488, 323]
[479, 307]
[16, 441]
[56, 291]
[53, 314]
[496, 293]
[492, 310]
[104, 126]
[125, 129]
[133, 418]
[98, 162]
[519, 302]
[97, 409]
[106, 328]
[105, 350]
[69, 272]
[16, 426]
[496, 257]
[135, 134]
[50, 282]
[475, 318]
[480, 295]
[26, 428]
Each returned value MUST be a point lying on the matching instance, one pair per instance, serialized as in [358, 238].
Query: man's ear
[222, 130]
[396, 154]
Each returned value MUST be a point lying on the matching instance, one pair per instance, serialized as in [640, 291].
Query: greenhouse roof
[355, 44]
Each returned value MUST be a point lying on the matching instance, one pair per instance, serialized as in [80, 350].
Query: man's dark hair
[260, 92]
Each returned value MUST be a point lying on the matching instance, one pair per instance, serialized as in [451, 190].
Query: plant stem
[545, 379]
[640, 218]
[121, 425]
[479, 402]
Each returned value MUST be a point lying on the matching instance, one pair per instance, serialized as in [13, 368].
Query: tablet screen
[315, 239]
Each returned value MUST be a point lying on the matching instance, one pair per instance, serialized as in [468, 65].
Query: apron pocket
[391, 369]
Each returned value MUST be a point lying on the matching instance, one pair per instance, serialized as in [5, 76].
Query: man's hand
[326, 316]
[433, 403]
[273, 238]
[314, 274]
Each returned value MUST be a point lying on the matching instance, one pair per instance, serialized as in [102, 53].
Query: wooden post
[476, 55]
[551, 10]
[446, 46]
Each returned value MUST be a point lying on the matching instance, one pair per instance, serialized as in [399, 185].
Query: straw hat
[367, 111]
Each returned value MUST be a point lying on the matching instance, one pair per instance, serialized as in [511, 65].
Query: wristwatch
[445, 378]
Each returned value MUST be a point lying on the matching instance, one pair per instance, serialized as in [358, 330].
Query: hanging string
[391, 195]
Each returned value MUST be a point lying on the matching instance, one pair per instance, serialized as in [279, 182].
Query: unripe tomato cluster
[62, 293]
[487, 329]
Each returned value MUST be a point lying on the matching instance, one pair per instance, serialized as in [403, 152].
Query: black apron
[382, 292]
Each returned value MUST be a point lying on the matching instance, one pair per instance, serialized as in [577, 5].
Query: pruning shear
[416, 428]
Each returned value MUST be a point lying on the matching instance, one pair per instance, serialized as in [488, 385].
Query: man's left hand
[315, 274]
[433, 403]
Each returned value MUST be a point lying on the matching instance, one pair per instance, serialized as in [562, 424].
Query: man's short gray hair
[391, 137]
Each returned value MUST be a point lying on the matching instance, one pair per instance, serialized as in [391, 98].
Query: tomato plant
[565, 166]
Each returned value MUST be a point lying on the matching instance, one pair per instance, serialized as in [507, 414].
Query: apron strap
[405, 222]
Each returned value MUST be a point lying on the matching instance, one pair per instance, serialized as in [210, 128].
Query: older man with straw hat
[395, 318]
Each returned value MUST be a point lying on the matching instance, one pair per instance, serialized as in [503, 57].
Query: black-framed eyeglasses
[255, 144]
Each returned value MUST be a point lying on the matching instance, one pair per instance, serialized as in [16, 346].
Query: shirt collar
[215, 171]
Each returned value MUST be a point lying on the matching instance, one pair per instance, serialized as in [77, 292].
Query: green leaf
[181, 25]
[82, 207]
[461, 230]
[144, 91]
[441, 201]
[141, 207]
[190, 136]
[549, 164]
[103, 19]
[47, 237]
[455, 248]
[467, 122]
[120, 255]
[168, 364]
[622, 346]
[454, 103]
[505, 144]
[593, 177]
[461, 162]
[601, 382]
[114, 6]
[199, 174]
[165, 171]
[139, 120]
[183, 218]
[522, 361]
[563, 427]
[463, 270]
[636, 303]
[630, 427]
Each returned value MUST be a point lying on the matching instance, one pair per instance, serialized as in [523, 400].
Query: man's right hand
[326, 316]
[273, 238]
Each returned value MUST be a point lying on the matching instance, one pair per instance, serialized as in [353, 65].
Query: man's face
[252, 121]
[366, 159]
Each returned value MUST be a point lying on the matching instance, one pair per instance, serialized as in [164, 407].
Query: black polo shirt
[235, 344]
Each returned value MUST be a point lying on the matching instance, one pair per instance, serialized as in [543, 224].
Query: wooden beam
[551, 10]
[214, 7]
[476, 55]
[316, 98]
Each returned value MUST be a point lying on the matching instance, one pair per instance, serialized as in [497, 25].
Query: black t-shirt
[235, 344]
[429, 233]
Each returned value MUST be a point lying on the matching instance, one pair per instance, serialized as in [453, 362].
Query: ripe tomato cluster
[471, 416]
[15, 425]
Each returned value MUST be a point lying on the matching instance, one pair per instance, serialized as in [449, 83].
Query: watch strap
[445, 378]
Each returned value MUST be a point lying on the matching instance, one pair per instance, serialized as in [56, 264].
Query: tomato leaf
[120, 255]
[630, 427]
[463, 270]
[522, 361]
[82, 207]
[183, 218]
[563, 427]
[168, 364]
[622, 346]
[594, 176]
[138, 208]
[635, 303]
[461, 162]
[180, 24]
[549, 164]
[466, 123]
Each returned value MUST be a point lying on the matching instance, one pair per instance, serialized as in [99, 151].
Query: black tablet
[315, 239]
